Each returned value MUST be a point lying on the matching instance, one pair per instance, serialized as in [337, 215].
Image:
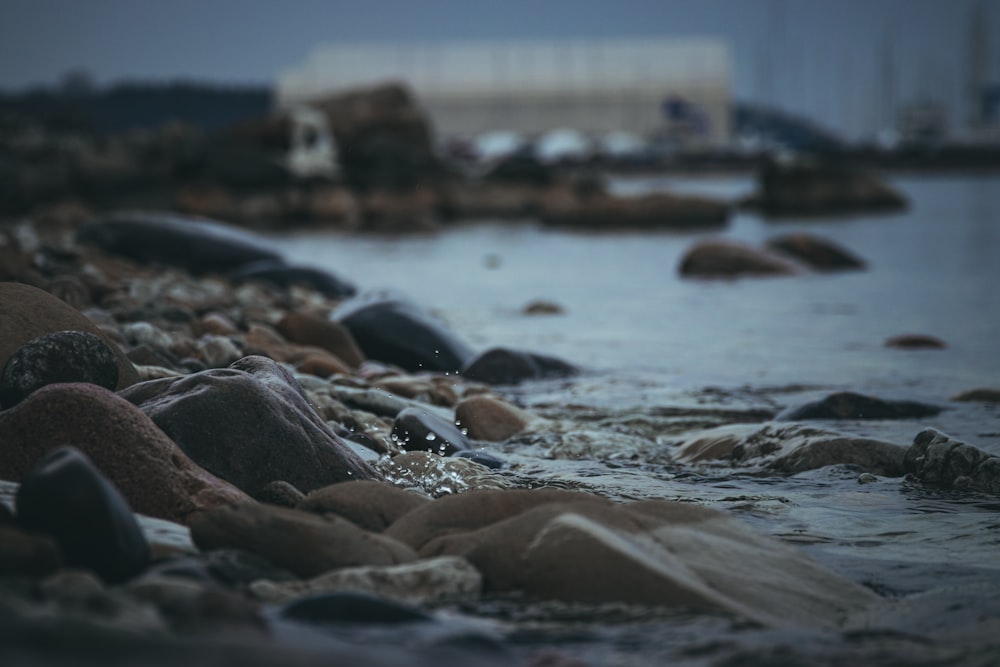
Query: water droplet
[431, 436]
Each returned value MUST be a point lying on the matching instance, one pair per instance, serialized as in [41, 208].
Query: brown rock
[719, 258]
[916, 342]
[332, 336]
[489, 418]
[250, 424]
[28, 312]
[152, 473]
[817, 253]
[373, 506]
[300, 542]
[321, 364]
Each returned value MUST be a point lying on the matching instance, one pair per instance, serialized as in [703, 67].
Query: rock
[504, 366]
[279, 493]
[790, 449]
[276, 272]
[218, 351]
[936, 458]
[439, 476]
[979, 395]
[915, 342]
[656, 553]
[27, 312]
[350, 607]
[565, 207]
[482, 457]
[22, 553]
[369, 505]
[817, 253]
[67, 498]
[251, 425]
[851, 405]
[539, 307]
[331, 336]
[419, 430]
[195, 244]
[422, 582]
[64, 356]
[720, 258]
[300, 542]
[395, 331]
[822, 189]
[200, 609]
[489, 418]
[150, 471]
[434, 389]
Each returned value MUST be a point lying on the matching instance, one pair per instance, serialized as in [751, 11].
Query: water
[658, 348]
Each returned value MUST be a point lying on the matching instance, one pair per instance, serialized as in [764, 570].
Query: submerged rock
[196, 244]
[395, 331]
[66, 497]
[851, 405]
[916, 342]
[27, 312]
[720, 258]
[64, 356]
[936, 458]
[147, 467]
[502, 366]
[251, 425]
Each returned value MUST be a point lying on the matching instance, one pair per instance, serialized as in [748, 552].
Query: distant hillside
[131, 106]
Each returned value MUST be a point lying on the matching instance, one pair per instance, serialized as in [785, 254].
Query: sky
[841, 62]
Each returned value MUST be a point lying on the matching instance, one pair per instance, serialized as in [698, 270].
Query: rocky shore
[209, 454]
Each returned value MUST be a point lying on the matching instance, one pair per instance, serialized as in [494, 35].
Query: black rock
[349, 607]
[481, 457]
[502, 365]
[419, 430]
[279, 274]
[195, 244]
[394, 331]
[64, 356]
[850, 405]
[66, 497]
[936, 458]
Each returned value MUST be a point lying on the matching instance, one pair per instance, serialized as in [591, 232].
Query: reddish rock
[333, 337]
[489, 418]
[146, 466]
[371, 505]
[27, 312]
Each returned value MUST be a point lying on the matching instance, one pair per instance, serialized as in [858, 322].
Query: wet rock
[298, 541]
[719, 258]
[433, 389]
[936, 458]
[395, 331]
[64, 356]
[489, 418]
[369, 505]
[817, 253]
[195, 244]
[218, 351]
[504, 366]
[67, 498]
[279, 493]
[331, 336]
[22, 553]
[822, 189]
[482, 457]
[426, 581]
[439, 476]
[851, 405]
[198, 608]
[149, 469]
[251, 425]
[279, 274]
[566, 207]
[27, 312]
[916, 342]
[979, 395]
[419, 430]
[790, 449]
[657, 553]
[350, 607]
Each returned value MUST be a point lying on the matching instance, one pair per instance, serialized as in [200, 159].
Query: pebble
[64, 356]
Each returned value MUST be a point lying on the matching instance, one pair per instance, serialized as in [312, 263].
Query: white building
[642, 86]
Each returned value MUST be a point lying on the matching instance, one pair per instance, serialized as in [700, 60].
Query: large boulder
[657, 553]
[720, 258]
[938, 459]
[195, 244]
[393, 330]
[822, 189]
[27, 312]
[251, 425]
[155, 477]
[852, 405]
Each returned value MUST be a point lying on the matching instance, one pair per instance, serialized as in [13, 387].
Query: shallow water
[665, 356]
